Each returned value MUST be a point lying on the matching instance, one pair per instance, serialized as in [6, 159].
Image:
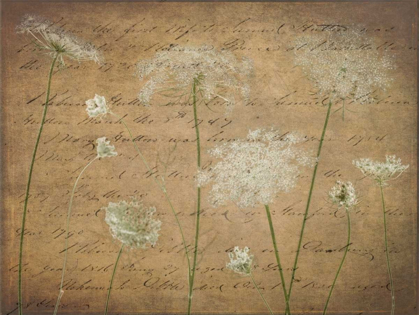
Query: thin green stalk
[278, 261]
[313, 179]
[260, 293]
[28, 185]
[198, 211]
[341, 263]
[67, 228]
[393, 298]
[162, 187]
[113, 275]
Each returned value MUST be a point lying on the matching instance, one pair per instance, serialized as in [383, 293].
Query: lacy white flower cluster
[240, 261]
[104, 148]
[252, 171]
[132, 224]
[343, 195]
[343, 65]
[54, 39]
[381, 171]
[97, 106]
[216, 74]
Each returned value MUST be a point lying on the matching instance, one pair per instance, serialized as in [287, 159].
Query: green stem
[113, 275]
[313, 179]
[393, 298]
[198, 211]
[341, 263]
[162, 188]
[260, 293]
[67, 228]
[281, 273]
[28, 185]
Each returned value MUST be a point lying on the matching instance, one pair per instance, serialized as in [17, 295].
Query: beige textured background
[155, 280]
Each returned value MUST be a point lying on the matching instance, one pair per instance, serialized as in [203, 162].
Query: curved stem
[67, 228]
[313, 179]
[260, 293]
[113, 275]
[162, 188]
[198, 209]
[281, 273]
[28, 185]
[393, 298]
[341, 263]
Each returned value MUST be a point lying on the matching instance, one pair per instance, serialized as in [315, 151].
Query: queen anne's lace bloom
[343, 195]
[104, 148]
[47, 36]
[254, 170]
[97, 106]
[343, 65]
[132, 224]
[381, 171]
[240, 261]
[215, 74]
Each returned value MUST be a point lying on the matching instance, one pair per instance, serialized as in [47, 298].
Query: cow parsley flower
[104, 148]
[252, 171]
[53, 39]
[132, 224]
[97, 106]
[240, 261]
[343, 195]
[381, 172]
[343, 65]
[215, 74]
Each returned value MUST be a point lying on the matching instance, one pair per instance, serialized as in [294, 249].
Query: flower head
[97, 106]
[381, 171]
[215, 74]
[53, 39]
[252, 171]
[132, 224]
[240, 261]
[343, 195]
[104, 148]
[343, 65]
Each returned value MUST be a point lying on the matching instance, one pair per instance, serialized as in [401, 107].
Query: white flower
[240, 261]
[343, 65]
[132, 224]
[343, 195]
[215, 74]
[252, 171]
[47, 36]
[97, 106]
[381, 171]
[104, 149]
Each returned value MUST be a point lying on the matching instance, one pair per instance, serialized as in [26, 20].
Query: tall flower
[240, 261]
[343, 65]
[132, 224]
[97, 106]
[382, 172]
[56, 41]
[216, 74]
[254, 170]
[343, 195]
[104, 148]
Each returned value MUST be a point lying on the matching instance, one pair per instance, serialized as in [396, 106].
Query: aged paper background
[155, 280]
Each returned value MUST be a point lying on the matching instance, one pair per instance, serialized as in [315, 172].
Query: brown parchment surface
[155, 280]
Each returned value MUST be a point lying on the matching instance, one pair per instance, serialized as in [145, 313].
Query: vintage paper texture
[155, 280]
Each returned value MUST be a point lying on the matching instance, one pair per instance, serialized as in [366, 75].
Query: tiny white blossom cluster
[343, 195]
[343, 65]
[47, 36]
[132, 224]
[97, 106]
[252, 171]
[215, 73]
[381, 171]
[240, 261]
[104, 148]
